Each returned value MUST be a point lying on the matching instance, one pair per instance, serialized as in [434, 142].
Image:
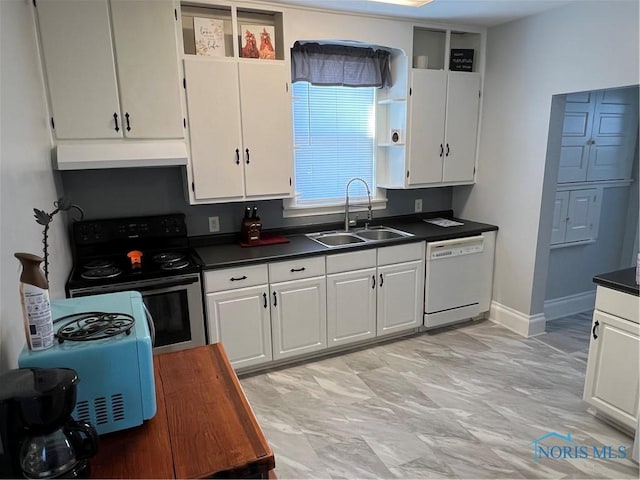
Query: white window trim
[291, 209]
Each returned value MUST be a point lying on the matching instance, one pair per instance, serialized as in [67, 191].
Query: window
[334, 141]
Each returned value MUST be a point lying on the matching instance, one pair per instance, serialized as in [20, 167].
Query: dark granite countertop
[621, 280]
[224, 251]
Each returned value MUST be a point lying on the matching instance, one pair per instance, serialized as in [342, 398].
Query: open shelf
[223, 14]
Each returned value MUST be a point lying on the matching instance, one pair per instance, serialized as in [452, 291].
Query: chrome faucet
[351, 223]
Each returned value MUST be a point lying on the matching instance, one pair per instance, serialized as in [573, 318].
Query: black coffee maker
[38, 437]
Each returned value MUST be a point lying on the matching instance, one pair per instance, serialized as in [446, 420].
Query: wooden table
[204, 426]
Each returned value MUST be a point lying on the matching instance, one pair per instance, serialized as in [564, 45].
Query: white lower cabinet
[613, 372]
[298, 317]
[240, 320]
[382, 299]
[281, 310]
[400, 296]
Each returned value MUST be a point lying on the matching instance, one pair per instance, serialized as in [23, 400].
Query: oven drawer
[237, 277]
[295, 269]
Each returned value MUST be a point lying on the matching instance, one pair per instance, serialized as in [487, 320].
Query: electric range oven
[150, 255]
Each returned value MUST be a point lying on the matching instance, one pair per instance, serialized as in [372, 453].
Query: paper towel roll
[420, 61]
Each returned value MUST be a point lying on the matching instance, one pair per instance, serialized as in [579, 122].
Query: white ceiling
[485, 13]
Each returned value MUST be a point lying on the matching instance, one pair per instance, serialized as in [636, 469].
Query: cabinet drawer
[344, 262]
[617, 303]
[401, 253]
[294, 269]
[239, 277]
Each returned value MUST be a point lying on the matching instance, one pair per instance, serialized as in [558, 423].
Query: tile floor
[463, 402]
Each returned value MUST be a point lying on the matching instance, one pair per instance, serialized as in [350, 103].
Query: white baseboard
[522, 324]
[569, 305]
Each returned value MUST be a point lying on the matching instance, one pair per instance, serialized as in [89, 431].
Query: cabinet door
[611, 383]
[576, 137]
[144, 33]
[299, 319]
[400, 297]
[351, 306]
[560, 212]
[80, 71]
[582, 211]
[239, 319]
[461, 126]
[267, 129]
[426, 128]
[214, 128]
[614, 135]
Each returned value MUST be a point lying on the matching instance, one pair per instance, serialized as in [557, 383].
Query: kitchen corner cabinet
[613, 372]
[111, 68]
[443, 118]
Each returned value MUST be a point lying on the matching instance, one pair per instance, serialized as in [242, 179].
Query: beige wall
[584, 46]
[26, 178]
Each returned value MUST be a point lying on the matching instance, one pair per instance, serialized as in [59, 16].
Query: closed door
[213, 105]
[148, 74]
[266, 128]
[351, 311]
[240, 320]
[426, 134]
[299, 319]
[399, 301]
[581, 215]
[611, 383]
[560, 218]
[461, 127]
[576, 137]
[80, 70]
[614, 135]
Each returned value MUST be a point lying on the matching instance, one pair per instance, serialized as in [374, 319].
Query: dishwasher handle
[455, 247]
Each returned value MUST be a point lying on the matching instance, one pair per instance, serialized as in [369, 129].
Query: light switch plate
[214, 224]
[418, 205]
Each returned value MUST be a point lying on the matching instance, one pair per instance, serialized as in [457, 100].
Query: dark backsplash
[129, 192]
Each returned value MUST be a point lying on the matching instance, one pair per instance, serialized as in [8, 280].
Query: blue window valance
[344, 65]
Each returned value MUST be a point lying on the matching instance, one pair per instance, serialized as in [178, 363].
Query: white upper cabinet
[444, 126]
[442, 115]
[239, 109]
[89, 100]
[599, 136]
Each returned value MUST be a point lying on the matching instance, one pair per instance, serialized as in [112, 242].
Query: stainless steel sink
[356, 237]
[380, 234]
[335, 239]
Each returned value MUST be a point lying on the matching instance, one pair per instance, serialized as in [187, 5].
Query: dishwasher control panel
[445, 251]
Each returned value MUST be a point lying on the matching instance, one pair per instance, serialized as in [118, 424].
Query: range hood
[84, 156]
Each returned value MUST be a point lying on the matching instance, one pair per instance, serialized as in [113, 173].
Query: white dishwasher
[458, 281]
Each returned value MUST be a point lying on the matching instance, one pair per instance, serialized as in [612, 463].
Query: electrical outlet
[418, 205]
[214, 224]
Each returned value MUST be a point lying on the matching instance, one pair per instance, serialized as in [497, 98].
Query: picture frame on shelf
[461, 60]
[209, 36]
[257, 41]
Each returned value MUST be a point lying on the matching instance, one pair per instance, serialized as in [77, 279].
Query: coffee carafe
[38, 437]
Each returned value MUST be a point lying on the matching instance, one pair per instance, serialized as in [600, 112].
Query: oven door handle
[152, 326]
[164, 286]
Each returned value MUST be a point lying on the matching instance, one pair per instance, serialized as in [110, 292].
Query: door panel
[399, 301]
[576, 136]
[299, 317]
[581, 211]
[144, 35]
[267, 129]
[214, 128]
[612, 371]
[351, 301]
[560, 213]
[239, 319]
[426, 136]
[461, 128]
[83, 100]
